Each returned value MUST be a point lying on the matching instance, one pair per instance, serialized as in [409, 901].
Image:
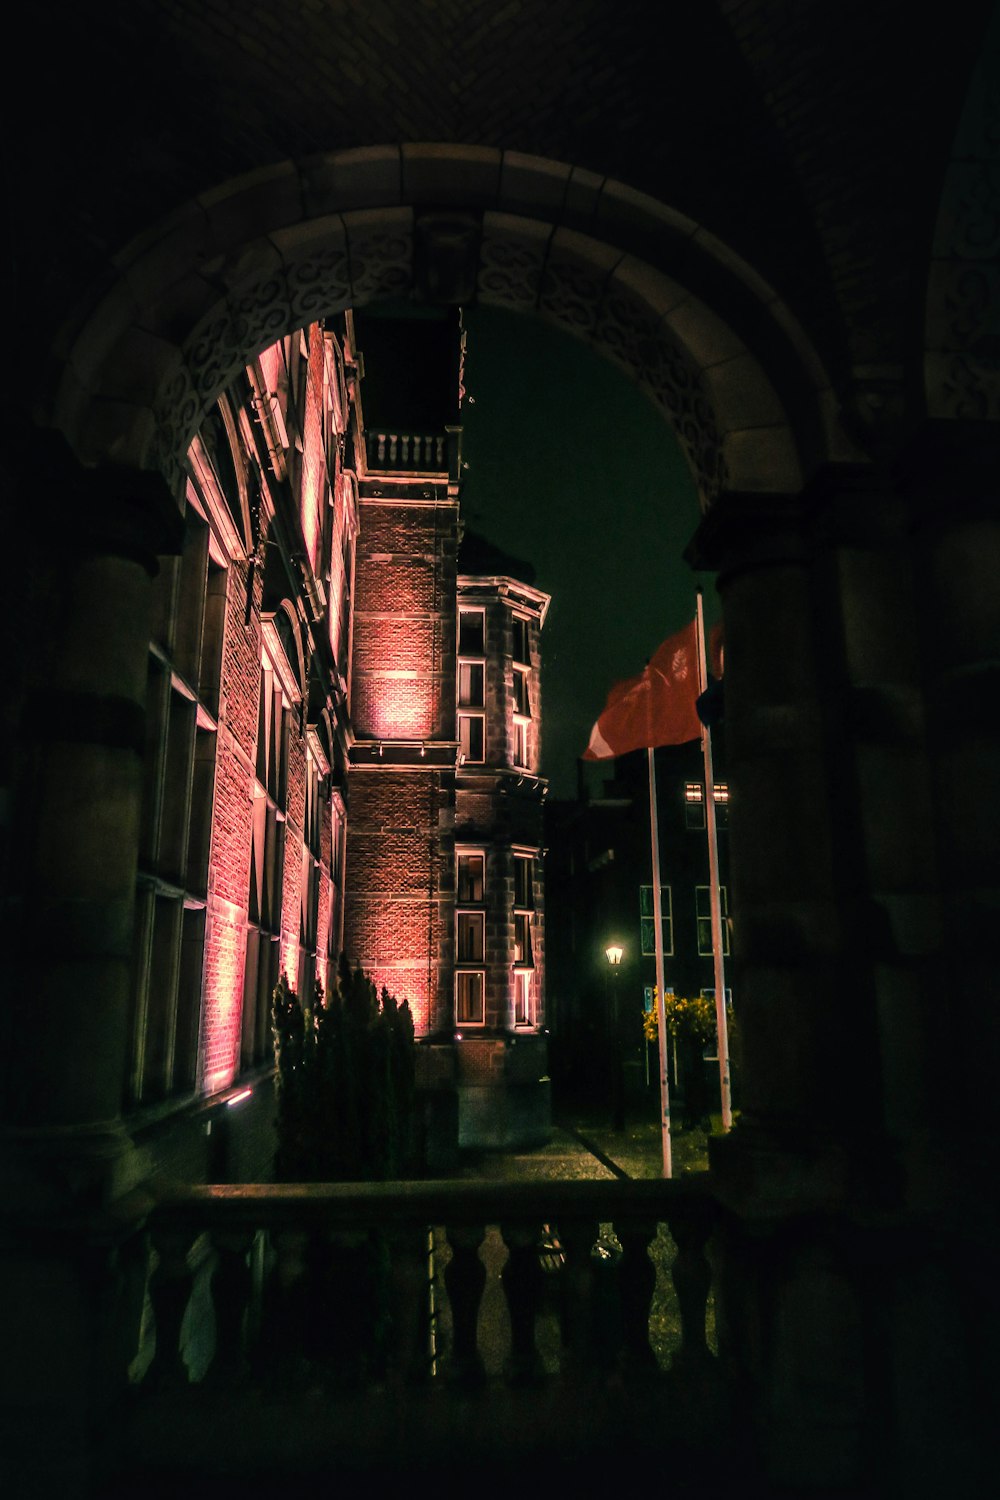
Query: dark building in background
[599, 892]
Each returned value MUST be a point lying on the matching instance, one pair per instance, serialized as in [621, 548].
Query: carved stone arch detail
[336, 234]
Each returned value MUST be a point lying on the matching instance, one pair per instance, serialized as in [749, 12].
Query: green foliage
[687, 1019]
[344, 1082]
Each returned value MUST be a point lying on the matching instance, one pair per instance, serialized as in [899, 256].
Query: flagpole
[661, 1008]
[722, 1027]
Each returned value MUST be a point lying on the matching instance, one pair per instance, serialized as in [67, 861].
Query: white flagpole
[661, 1010]
[721, 1024]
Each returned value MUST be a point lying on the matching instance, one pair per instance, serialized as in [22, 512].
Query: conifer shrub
[344, 1081]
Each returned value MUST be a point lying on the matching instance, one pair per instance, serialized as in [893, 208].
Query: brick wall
[399, 902]
[229, 862]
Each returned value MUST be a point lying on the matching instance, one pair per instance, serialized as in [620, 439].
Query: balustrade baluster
[287, 1309]
[636, 1285]
[692, 1278]
[521, 1281]
[348, 1274]
[170, 1292]
[409, 1303]
[578, 1316]
[464, 1279]
[232, 1282]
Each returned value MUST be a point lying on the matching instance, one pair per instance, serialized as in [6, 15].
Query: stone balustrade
[366, 1317]
[408, 452]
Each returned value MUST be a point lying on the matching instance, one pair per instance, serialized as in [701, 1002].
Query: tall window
[471, 686]
[524, 905]
[179, 776]
[522, 714]
[267, 853]
[470, 936]
[520, 649]
[469, 1004]
[309, 879]
[647, 919]
[694, 804]
[523, 1008]
[703, 910]
[470, 871]
[471, 632]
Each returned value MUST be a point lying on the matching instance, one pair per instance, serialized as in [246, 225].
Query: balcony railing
[408, 452]
[290, 1327]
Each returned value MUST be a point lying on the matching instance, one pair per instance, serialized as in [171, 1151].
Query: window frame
[647, 920]
[465, 977]
[703, 920]
[466, 756]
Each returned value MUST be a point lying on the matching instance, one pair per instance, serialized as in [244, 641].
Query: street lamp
[613, 953]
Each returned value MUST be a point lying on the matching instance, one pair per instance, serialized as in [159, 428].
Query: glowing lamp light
[238, 1098]
[613, 953]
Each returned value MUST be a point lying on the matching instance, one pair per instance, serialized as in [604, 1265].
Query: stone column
[817, 728]
[951, 477]
[80, 614]
[805, 1031]
[863, 632]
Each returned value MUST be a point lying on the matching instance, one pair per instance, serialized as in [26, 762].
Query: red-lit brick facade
[420, 806]
[305, 778]
[240, 870]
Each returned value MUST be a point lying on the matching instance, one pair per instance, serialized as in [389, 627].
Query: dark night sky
[572, 469]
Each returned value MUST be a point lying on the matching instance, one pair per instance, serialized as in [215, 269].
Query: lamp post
[613, 953]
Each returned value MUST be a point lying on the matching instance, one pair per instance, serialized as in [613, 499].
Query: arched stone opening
[737, 381]
[736, 378]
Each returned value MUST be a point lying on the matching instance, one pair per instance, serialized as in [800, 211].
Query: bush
[344, 1081]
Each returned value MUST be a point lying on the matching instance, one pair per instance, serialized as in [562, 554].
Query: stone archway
[231, 271]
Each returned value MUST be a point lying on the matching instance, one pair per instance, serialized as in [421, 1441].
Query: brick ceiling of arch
[792, 137]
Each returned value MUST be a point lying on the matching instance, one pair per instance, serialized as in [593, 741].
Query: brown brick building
[323, 768]
[443, 901]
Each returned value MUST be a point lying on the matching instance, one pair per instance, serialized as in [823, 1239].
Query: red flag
[655, 708]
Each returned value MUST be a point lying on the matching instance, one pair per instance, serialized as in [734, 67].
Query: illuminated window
[703, 909]
[471, 929]
[267, 862]
[471, 684]
[524, 896]
[524, 903]
[471, 632]
[472, 737]
[694, 804]
[647, 920]
[522, 938]
[309, 879]
[470, 867]
[521, 700]
[520, 647]
[470, 935]
[469, 1009]
[521, 742]
[523, 1009]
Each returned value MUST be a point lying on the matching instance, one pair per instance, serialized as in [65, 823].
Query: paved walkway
[584, 1146]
